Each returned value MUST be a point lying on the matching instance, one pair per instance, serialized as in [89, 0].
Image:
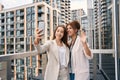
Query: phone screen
[42, 26]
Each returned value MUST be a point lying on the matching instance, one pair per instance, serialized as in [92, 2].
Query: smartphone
[42, 26]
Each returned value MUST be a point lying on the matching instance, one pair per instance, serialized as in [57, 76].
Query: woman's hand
[83, 39]
[38, 36]
[83, 36]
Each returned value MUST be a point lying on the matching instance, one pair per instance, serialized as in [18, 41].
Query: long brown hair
[64, 38]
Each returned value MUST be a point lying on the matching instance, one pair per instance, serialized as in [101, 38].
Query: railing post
[95, 67]
[100, 61]
[116, 37]
[9, 70]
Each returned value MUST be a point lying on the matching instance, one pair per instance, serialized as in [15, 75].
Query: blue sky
[75, 4]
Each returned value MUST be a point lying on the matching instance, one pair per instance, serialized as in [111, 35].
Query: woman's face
[71, 31]
[59, 33]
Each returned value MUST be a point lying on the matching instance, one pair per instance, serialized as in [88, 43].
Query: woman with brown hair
[57, 52]
[79, 52]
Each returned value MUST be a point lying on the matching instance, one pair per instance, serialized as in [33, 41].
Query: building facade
[84, 25]
[76, 14]
[91, 28]
[103, 24]
[63, 6]
[105, 35]
[17, 28]
[90, 14]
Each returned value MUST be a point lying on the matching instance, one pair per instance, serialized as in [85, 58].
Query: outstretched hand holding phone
[38, 36]
[39, 32]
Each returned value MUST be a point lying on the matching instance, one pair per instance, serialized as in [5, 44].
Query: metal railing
[8, 57]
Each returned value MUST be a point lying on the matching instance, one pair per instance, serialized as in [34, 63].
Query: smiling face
[59, 33]
[71, 31]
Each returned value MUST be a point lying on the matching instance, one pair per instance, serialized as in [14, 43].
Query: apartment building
[91, 28]
[103, 24]
[104, 32]
[76, 14]
[63, 6]
[86, 22]
[84, 25]
[17, 26]
[90, 14]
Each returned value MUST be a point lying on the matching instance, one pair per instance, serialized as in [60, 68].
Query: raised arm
[85, 46]
[38, 36]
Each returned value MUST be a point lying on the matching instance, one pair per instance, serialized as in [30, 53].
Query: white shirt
[61, 52]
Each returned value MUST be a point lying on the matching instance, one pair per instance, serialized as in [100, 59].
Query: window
[18, 18]
[28, 10]
[28, 17]
[18, 12]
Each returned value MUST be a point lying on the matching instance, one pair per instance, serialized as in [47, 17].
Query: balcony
[103, 2]
[104, 7]
[62, 7]
[103, 10]
[2, 23]
[104, 18]
[62, 4]
[40, 11]
[96, 72]
[10, 22]
[104, 14]
[95, 4]
[2, 17]
[22, 14]
[104, 22]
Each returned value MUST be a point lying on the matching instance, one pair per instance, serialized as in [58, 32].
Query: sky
[75, 4]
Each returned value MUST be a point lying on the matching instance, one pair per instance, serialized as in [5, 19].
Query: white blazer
[53, 65]
[80, 61]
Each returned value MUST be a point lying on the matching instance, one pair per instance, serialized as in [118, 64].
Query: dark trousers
[72, 76]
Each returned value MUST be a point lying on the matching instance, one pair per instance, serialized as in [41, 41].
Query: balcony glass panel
[28, 61]
[33, 32]
[18, 12]
[29, 25]
[2, 28]
[28, 17]
[18, 18]
[17, 26]
[29, 33]
[33, 16]
[33, 61]
[33, 24]
[20, 62]
[33, 9]
[29, 10]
